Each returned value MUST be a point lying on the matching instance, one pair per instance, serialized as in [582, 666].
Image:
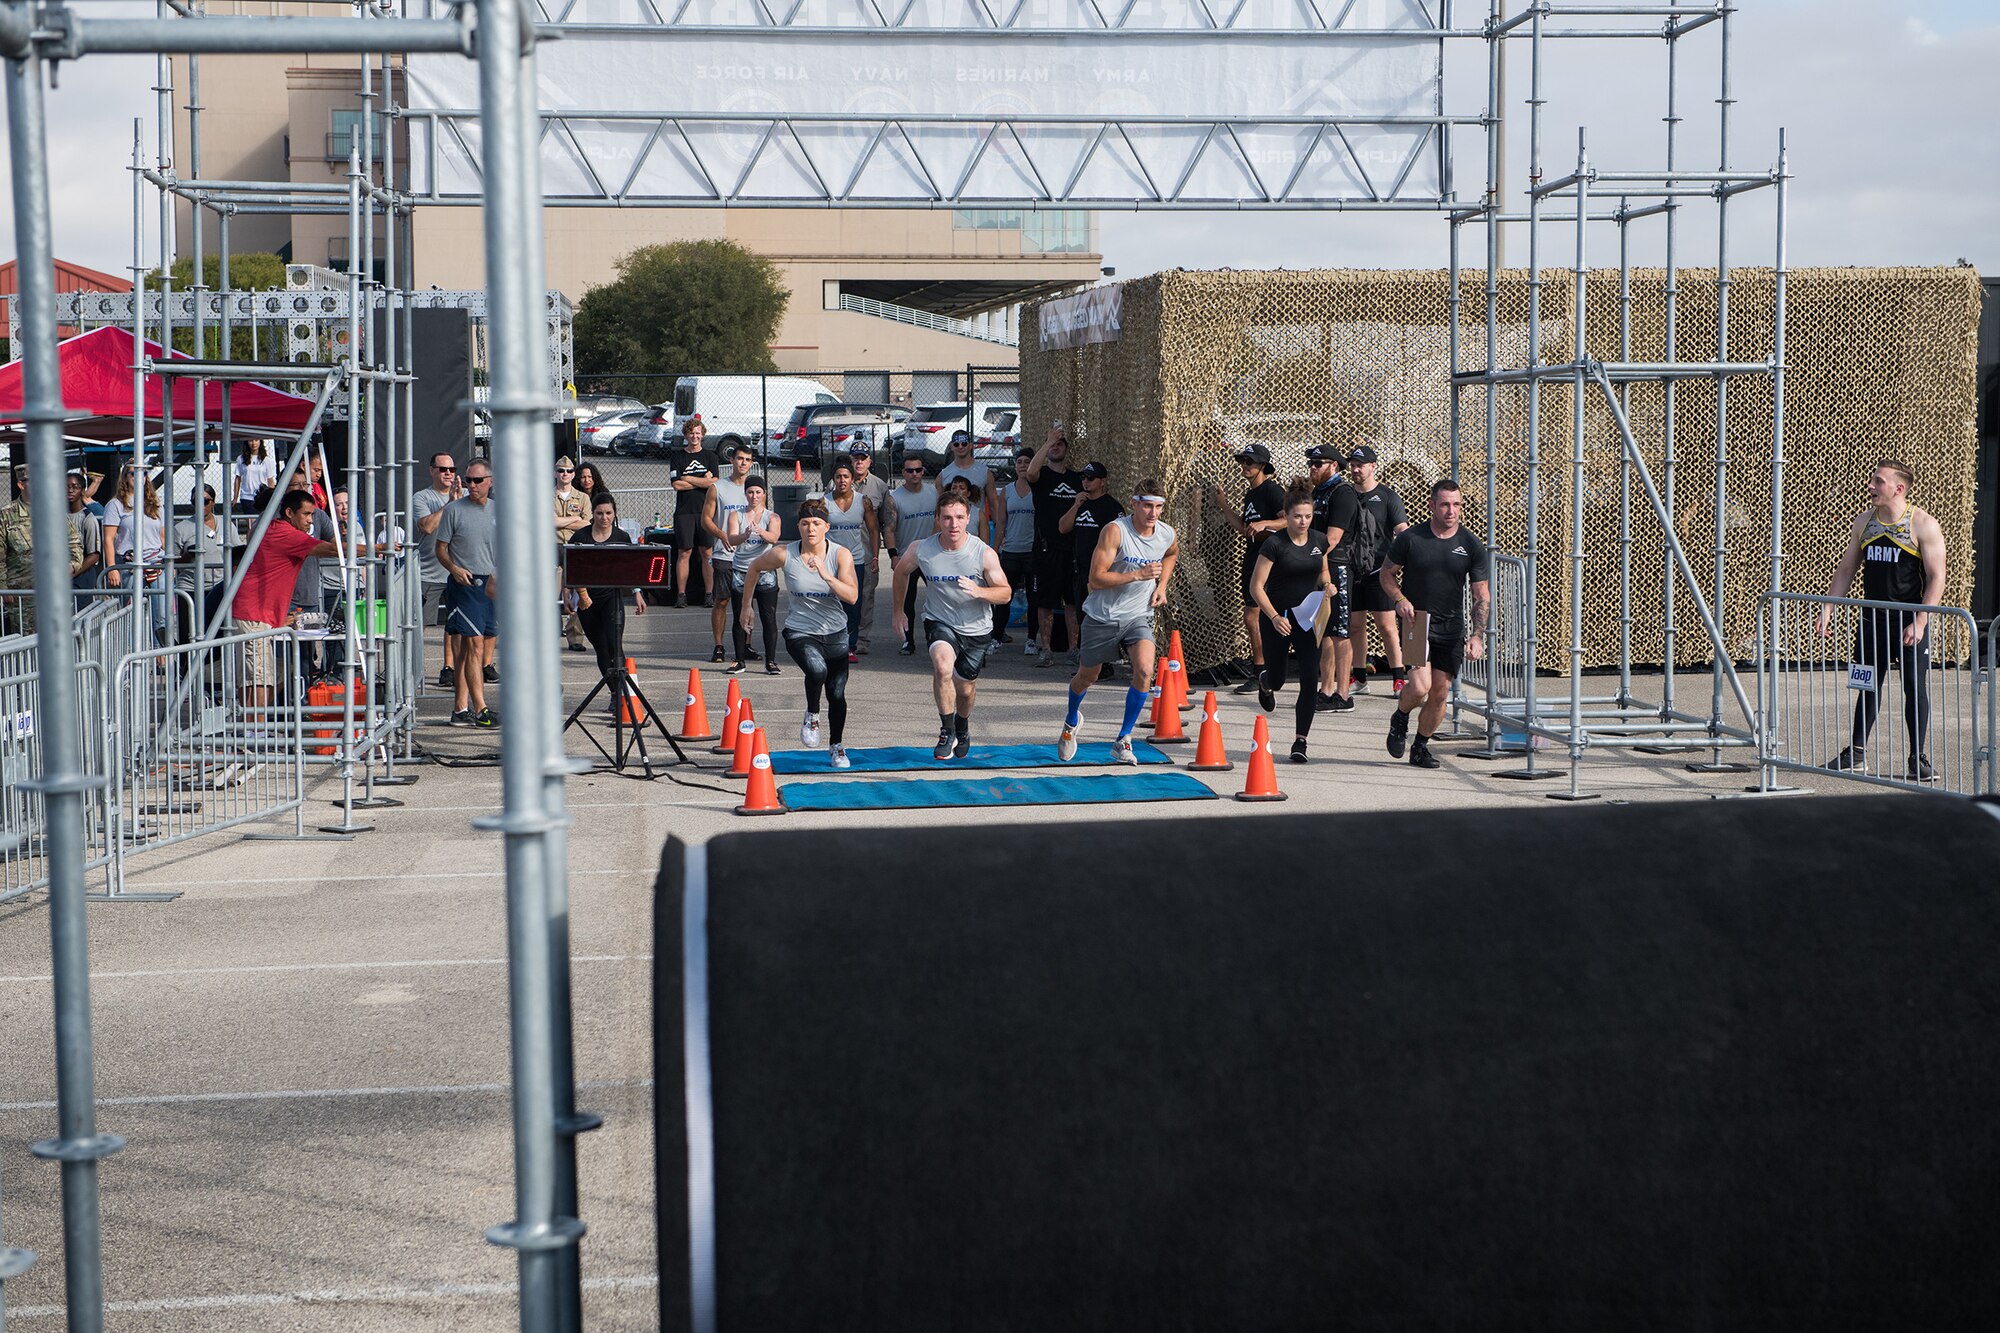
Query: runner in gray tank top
[962, 584]
[749, 533]
[1129, 572]
[1017, 542]
[853, 527]
[820, 585]
[723, 503]
[912, 511]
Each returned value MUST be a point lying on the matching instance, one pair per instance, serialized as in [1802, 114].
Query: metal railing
[24, 847]
[1846, 688]
[1505, 662]
[923, 319]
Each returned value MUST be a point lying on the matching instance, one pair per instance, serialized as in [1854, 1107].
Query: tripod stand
[627, 736]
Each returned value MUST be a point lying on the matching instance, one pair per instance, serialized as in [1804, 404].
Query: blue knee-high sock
[1074, 718]
[1135, 701]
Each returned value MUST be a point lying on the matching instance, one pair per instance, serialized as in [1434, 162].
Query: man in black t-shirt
[1425, 578]
[1055, 486]
[693, 478]
[1261, 513]
[1379, 515]
[1083, 523]
[1333, 518]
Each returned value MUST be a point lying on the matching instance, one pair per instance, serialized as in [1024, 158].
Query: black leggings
[1879, 642]
[823, 658]
[910, 604]
[1302, 645]
[604, 624]
[1017, 566]
[766, 598]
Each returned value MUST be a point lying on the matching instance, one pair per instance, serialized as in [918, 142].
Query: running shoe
[1267, 699]
[487, 718]
[1920, 770]
[773, 669]
[579, 647]
[490, 674]
[809, 731]
[1342, 703]
[961, 744]
[836, 757]
[1322, 703]
[462, 718]
[1421, 756]
[1357, 682]
[1299, 750]
[1399, 683]
[1846, 759]
[716, 656]
[1252, 684]
[1399, 733]
[1066, 745]
[446, 678]
[1074, 662]
[1031, 649]
[945, 741]
[1121, 751]
[734, 669]
[1045, 661]
[907, 649]
[853, 658]
[1004, 637]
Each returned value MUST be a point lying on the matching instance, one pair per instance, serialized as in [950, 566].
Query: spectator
[465, 547]
[263, 599]
[306, 592]
[200, 552]
[89, 529]
[874, 490]
[572, 516]
[17, 545]
[428, 506]
[693, 478]
[255, 470]
[142, 547]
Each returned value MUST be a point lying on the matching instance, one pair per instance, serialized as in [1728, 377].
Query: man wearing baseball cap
[873, 490]
[1379, 517]
[1333, 517]
[1261, 513]
[1089, 515]
[980, 478]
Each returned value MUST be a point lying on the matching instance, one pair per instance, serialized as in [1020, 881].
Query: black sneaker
[487, 718]
[462, 718]
[1343, 703]
[1846, 759]
[716, 656]
[1399, 733]
[446, 678]
[1920, 770]
[1421, 756]
[1299, 750]
[907, 649]
[734, 668]
[1322, 703]
[490, 674]
[960, 744]
[773, 669]
[1251, 684]
[946, 742]
[1267, 699]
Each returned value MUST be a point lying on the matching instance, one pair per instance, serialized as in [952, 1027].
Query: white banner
[1132, 116]
[1088, 317]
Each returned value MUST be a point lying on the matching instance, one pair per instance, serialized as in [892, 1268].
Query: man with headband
[1128, 575]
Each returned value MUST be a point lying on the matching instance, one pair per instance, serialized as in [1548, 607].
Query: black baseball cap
[859, 450]
[1323, 453]
[1361, 454]
[1095, 469]
[961, 437]
[1254, 453]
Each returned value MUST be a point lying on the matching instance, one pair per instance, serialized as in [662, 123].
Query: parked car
[997, 429]
[817, 431]
[589, 406]
[595, 435]
[639, 441]
[742, 409]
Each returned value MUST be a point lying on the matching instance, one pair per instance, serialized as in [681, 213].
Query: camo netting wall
[1881, 363]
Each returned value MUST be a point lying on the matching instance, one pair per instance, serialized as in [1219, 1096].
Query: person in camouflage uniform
[17, 557]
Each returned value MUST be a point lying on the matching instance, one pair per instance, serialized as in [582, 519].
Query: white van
[743, 409]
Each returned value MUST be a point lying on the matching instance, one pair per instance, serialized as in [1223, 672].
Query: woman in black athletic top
[1291, 567]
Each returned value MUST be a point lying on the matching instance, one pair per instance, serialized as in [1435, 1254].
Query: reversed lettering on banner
[1090, 317]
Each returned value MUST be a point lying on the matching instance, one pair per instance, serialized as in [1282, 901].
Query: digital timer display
[616, 566]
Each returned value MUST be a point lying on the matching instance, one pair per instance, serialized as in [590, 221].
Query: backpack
[1370, 539]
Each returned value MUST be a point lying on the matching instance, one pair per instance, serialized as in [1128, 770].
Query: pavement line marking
[343, 879]
[311, 1094]
[326, 967]
[358, 1295]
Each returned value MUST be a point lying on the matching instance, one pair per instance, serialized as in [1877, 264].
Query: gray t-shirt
[849, 527]
[811, 606]
[915, 512]
[425, 503]
[1017, 535]
[944, 601]
[1130, 601]
[199, 553]
[729, 502]
[469, 528]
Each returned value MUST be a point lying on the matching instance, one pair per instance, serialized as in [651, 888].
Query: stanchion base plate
[14, 1262]
[347, 830]
[1529, 774]
[1486, 754]
[369, 803]
[1571, 795]
[1724, 767]
[400, 780]
[161, 897]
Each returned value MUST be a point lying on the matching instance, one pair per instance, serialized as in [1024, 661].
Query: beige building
[897, 290]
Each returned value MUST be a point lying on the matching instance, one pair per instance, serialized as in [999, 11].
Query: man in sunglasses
[912, 511]
[429, 506]
[465, 544]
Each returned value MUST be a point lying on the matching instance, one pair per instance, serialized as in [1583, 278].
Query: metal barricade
[1505, 661]
[200, 747]
[23, 828]
[1842, 693]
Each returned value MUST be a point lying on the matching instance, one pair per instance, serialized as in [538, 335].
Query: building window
[1061, 231]
[341, 135]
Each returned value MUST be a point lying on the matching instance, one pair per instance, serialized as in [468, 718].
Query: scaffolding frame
[35, 34]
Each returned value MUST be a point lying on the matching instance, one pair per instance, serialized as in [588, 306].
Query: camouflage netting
[1880, 364]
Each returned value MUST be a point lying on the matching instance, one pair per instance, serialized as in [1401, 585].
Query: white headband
[1151, 499]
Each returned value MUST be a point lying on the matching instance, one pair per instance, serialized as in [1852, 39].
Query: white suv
[997, 431]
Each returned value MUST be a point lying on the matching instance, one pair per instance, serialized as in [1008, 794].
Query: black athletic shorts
[1249, 568]
[971, 648]
[1340, 618]
[1443, 648]
[689, 534]
[1019, 569]
[1369, 594]
[1051, 581]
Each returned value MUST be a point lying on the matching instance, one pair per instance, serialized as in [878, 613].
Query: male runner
[693, 478]
[1438, 557]
[962, 585]
[1261, 513]
[1089, 514]
[1899, 550]
[1334, 508]
[1378, 518]
[911, 514]
[725, 500]
[874, 490]
[1055, 485]
[1129, 571]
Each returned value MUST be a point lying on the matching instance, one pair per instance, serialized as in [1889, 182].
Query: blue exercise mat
[902, 758]
[933, 793]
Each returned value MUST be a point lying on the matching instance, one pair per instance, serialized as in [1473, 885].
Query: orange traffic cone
[1175, 671]
[761, 796]
[746, 727]
[798, 472]
[1261, 784]
[1167, 720]
[694, 718]
[630, 710]
[732, 713]
[1209, 754]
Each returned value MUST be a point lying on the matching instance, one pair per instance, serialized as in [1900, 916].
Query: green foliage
[682, 308]
[255, 272]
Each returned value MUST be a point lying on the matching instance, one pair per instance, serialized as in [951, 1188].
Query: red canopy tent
[97, 393]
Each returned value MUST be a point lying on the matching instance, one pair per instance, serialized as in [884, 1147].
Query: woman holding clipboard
[1289, 583]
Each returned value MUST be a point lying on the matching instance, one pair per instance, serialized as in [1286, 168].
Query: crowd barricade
[1505, 661]
[24, 865]
[1854, 701]
[195, 754]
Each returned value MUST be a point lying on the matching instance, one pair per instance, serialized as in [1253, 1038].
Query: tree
[682, 308]
[258, 271]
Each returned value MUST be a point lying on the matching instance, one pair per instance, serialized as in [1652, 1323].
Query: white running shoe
[837, 757]
[1030, 649]
[809, 731]
[1066, 745]
[1121, 751]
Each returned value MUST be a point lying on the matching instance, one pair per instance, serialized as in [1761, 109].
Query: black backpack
[1369, 541]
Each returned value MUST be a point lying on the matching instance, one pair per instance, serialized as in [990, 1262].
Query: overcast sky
[1893, 110]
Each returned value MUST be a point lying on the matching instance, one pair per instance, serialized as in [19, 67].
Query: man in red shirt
[263, 600]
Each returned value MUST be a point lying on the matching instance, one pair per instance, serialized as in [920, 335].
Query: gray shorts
[433, 604]
[1100, 640]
